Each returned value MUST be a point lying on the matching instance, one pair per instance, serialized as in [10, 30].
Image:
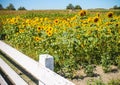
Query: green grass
[100, 82]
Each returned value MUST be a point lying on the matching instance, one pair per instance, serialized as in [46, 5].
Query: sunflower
[82, 13]
[49, 33]
[96, 19]
[50, 29]
[110, 14]
[56, 21]
[116, 25]
[37, 39]
[39, 28]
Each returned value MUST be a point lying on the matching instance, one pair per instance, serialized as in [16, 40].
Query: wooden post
[47, 61]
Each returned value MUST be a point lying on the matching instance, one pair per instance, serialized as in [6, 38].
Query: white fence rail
[44, 75]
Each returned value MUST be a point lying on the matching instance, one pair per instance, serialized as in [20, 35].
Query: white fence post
[47, 61]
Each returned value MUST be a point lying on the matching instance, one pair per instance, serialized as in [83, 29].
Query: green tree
[70, 6]
[10, 7]
[21, 8]
[116, 7]
[1, 7]
[78, 7]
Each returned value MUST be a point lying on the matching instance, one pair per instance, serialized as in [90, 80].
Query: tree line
[11, 7]
[69, 6]
[116, 7]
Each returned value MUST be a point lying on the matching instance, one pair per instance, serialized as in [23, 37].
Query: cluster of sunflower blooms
[37, 24]
[79, 39]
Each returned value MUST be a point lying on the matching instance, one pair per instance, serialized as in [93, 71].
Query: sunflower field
[76, 42]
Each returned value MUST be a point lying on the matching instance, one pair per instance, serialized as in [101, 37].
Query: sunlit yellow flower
[110, 14]
[84, 22]
[39, 28]
[27, 21]
[46, 19]
[56, 21]
[21, 30]
[73, 18]
[36, 19]
[108, 23]
[89, 19]
[50, 29]
[37, 39]
[13, 21]
[49, 33]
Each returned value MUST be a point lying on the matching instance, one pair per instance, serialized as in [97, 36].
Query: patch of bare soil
[99, 74]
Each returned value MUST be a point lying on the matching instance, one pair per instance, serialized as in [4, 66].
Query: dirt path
[105, 77]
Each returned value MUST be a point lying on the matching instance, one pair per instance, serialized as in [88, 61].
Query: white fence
[44, 75]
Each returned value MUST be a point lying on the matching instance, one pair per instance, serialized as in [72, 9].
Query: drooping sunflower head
[110, 14]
